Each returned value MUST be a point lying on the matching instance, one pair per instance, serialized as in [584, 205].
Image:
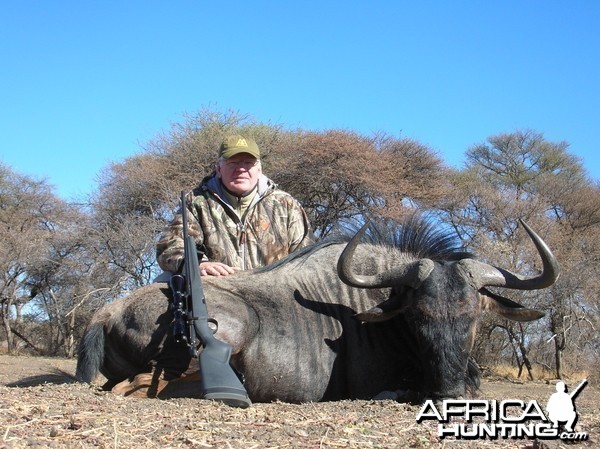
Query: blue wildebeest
[310, 328]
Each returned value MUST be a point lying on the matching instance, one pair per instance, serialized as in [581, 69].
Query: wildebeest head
[438, 303]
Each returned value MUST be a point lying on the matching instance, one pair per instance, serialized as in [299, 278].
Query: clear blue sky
[86, 83]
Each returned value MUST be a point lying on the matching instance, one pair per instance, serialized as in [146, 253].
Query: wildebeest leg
[158, 384]
[143, 385]
[109, 385]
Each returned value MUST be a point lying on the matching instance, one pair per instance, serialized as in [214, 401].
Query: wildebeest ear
[382, 312]
[506, 308]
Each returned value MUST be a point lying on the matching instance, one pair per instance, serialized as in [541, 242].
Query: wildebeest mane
[418, 235]
[415, 235]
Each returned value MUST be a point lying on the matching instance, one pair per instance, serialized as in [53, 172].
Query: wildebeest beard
[425, 359]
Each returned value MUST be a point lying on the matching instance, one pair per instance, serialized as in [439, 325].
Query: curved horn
[507, 308]
[411, 274]
[487, 275]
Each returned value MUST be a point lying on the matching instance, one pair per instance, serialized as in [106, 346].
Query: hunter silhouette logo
[509, 418]
[561, 406]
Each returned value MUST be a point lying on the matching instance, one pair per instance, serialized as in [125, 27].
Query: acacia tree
[521, 175]
[342, 177]
[20, 219]
[574, 319]
[70, 282]
[29, 213]
[50, 273]
[337, 175]
[330, 173]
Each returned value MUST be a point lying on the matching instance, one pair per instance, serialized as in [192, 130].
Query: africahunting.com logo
[509, 418]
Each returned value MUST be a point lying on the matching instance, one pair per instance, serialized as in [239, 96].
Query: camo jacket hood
[274, 225]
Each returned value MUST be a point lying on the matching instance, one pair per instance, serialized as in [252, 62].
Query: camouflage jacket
[273, 226]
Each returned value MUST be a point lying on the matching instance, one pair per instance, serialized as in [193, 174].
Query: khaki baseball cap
[236, 144]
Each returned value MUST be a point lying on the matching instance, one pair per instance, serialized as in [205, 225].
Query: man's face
[240, 173]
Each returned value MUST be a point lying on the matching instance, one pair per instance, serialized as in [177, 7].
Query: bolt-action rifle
[218, 380]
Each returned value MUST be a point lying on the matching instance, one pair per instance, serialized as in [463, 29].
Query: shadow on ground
[56, 377]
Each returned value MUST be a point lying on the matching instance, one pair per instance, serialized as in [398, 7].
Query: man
[238, 217]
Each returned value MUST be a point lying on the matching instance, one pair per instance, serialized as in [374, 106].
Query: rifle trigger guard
[213, 324]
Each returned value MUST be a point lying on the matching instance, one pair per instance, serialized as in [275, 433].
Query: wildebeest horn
[488, 276]
[507, 308]
[411, 274]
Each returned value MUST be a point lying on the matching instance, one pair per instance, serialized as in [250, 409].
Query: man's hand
[216, 269]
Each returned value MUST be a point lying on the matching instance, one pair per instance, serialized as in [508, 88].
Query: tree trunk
[70, 340]
[10, 338]
[558, 361]
[528, 365]
[524, 351]
[559, 346]
[26, 340]
[557, 327]
[19, 312]
[520, 355]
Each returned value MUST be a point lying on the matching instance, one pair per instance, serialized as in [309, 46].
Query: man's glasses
[247, 164]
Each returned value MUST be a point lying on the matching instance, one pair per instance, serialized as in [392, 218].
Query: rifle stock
[218, 380]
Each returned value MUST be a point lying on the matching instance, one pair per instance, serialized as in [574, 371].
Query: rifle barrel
[578, 388]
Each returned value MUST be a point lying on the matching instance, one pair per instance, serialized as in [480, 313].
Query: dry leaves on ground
[41, 406]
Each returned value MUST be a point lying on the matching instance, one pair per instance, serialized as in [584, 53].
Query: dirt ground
[42, 406]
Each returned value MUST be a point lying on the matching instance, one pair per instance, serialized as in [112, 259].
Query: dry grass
[41, 407]
[540, 373]
[512, 372]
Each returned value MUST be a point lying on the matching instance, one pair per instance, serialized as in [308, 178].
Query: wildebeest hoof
[410, 396]
[399, 395]
[386, 396]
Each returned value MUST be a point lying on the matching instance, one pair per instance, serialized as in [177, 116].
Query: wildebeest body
[294, 330]
[287, 324]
